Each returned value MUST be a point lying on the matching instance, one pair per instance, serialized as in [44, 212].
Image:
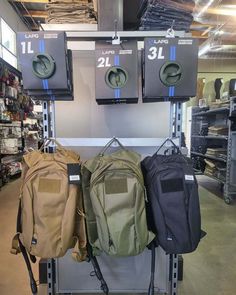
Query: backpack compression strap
[79, 252]
[97, 270]
[153, 262]
[18, 247]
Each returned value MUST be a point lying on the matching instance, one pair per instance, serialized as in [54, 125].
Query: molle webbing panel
[116, 186]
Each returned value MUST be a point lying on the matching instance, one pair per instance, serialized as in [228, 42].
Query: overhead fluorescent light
[220, 32]
[205, 48]
[204, 9]
[226, 12]
[209, 45]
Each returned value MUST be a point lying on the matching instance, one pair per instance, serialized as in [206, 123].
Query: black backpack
[173, 209]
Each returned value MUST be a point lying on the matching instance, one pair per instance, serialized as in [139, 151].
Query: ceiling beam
[35, 13]
[31, 1]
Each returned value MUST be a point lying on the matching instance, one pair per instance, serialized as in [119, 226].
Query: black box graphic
[116, 73]
[170, 69]
[45, 62]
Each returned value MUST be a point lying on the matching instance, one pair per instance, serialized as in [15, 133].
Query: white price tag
[189, 177]
[74, 177]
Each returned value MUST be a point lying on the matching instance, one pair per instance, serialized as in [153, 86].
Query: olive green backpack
[114, 202]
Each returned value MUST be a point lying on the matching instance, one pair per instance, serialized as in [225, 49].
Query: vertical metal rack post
[48, 119]
[176, 125]
[49, 132]
[230, 186]
[177, 117]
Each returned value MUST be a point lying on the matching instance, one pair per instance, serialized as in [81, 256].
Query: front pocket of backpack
[49, 204]
[172, 200]
[114, 207]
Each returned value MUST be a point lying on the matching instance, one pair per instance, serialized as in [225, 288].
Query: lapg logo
[106, 52]
[32, 36]
[161, 41]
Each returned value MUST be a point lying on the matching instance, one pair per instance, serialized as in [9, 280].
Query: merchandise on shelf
[10, 130]
[14, 107]
[162, 14]
[219, 103]
[218, 130]
[80, 11]
[214, 169]
[14, 168]
[9, 146]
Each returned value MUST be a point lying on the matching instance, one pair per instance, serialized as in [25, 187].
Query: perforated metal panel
[130, 274]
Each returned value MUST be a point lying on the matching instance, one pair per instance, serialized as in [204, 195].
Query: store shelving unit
[230, 184]
[211, 112]
[209, 157]
[13, 112]
[10, 129]
[211, 137]
[226, 169]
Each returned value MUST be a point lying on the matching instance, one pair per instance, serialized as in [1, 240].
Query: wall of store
[11, 17]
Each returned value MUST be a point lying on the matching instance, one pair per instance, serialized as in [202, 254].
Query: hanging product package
[116, 74]
[46, 64]
[173, 209]
[170, 69]
[114, 200]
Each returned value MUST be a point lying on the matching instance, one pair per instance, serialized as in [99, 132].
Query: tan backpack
[50, 216]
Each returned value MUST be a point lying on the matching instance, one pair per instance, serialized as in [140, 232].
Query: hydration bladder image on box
[46, 64]
[116, 73]
[170, 69]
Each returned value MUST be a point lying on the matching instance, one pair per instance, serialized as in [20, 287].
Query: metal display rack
[214, 117]
[230, 184]
[55, 267]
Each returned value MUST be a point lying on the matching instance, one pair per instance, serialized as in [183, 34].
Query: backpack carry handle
[47, 141]
[59, 147]
[173, 144]
[106, 147]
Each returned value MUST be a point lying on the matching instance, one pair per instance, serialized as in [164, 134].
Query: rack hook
[116, 37]
[170, 33]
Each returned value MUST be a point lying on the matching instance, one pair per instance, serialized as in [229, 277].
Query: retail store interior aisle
[209, 271]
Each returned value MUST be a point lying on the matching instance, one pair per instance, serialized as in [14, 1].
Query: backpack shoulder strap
[18, 247]
[92, 164]
[32, 158]
[151, 288]
[79, 253]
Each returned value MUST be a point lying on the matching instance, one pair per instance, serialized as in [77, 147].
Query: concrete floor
[211, 270]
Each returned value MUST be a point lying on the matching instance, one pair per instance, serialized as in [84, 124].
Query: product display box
[170, 69]
[116, 73]
[46, 64]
